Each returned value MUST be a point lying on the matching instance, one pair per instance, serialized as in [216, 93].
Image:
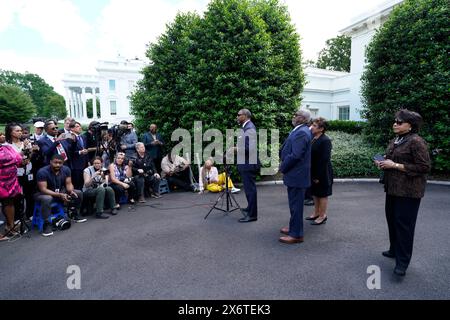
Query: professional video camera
[119, 130]
[98, 129]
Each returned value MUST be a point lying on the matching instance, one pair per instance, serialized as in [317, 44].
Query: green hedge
[346, 126]
[352, 156]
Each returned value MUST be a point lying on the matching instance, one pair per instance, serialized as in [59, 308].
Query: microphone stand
[229, 198]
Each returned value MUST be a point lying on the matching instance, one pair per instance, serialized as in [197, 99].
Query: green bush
[408, 67]
[15, 105]
[238, 54]
[346, 126]
[352, 156]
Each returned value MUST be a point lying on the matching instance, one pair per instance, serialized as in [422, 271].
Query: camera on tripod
[99, 129]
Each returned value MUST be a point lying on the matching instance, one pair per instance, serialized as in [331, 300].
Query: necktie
[61, 151]
[80, 141]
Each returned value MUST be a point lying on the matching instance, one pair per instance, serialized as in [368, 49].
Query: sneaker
[114, 212]
[142, 200]
[47, 231]
[156, 195]
[101, 216]
[78, 219]
[235, 190]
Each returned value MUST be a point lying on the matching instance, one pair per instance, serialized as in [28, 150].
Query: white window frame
[110, 81]
[339, 112]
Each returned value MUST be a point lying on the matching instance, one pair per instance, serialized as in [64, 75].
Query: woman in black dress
[321, 171]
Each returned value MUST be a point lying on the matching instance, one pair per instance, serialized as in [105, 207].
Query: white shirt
[167, 166]
[213, 175]
[243, 125]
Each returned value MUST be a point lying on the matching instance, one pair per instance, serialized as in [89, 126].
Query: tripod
[227, 196]
[20, 209]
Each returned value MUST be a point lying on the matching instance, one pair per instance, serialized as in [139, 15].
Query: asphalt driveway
[166, 250]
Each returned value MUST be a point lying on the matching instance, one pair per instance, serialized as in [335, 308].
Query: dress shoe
[314, 223]
[388, 254]
[291, 240]
[313, 218]
[248, 219]
[285, 230]
[399, 272]
[244, 212]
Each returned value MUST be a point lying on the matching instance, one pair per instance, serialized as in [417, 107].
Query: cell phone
[378, 157]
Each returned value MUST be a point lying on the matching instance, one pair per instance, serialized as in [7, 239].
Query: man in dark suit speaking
[248, 163]
[295, 165]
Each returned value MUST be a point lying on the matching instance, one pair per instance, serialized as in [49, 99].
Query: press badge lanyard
[57, 182]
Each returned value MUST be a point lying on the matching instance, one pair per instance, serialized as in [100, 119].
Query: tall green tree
[408, 67]
[15, 105]
[40, 92]
[89, 108]
[55, 107]
[336, 54]
[240, 54]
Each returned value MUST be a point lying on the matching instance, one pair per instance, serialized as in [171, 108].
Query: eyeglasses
[54, 128]
[399, 122]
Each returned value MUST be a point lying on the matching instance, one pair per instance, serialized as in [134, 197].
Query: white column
[74, 104]
[80, 107]
[83, 101]
[77, 104]
[94, 103]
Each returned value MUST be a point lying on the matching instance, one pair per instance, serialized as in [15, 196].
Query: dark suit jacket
[48, 148]
[321, 161]
[250, 149]
[296, 158]
[79, 161]
[154, 151]
[91, 142]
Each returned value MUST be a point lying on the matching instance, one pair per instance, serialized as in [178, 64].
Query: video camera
[99, 128]
[119, 130]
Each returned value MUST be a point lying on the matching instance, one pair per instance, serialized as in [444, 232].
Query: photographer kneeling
[121, 178]
[144, 172]
[177, 171]
[55, 184]
[96, 186]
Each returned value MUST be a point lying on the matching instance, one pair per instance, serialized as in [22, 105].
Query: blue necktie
[80, 140]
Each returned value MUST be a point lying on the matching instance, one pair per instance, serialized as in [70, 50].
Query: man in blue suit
[49, 145]
[79, 158]
[248, 163]
[295, 165]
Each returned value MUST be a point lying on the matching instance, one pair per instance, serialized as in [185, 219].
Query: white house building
[330, 94]
[336, 95]
[113, 84]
